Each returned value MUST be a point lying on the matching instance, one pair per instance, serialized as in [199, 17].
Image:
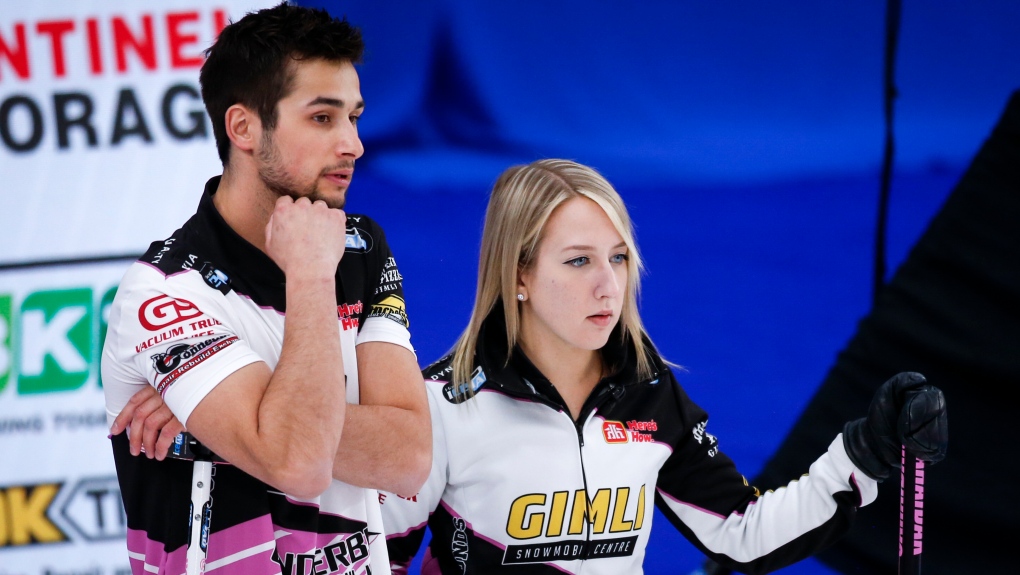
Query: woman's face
[576, 285]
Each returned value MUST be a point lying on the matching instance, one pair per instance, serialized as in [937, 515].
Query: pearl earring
[520, 296]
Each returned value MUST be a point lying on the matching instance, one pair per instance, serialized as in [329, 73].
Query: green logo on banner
[104, 324]
[55, 341]
[5, 340]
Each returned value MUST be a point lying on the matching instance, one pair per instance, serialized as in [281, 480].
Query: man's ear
[243, 127]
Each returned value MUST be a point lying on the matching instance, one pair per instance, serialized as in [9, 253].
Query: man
[271, 326]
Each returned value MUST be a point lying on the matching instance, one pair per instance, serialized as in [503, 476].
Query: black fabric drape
[952, 312]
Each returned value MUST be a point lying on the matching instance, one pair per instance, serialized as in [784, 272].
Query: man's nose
[349, 143]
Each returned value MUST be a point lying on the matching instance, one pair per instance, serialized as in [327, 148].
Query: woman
[557, 425]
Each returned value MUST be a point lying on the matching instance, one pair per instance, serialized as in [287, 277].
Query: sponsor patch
[160, 338]
[194, 358]
[640, 430]
[470, 387]
[215, 278]
[348, 314]
[193, 328]
[614, 432]
[459, 543]
[445, 373]
[358, 240]
[701, 435]
[606, 512]
[158, 312]
[166, 362]
[635, 425]
[162, 251]
[390, 280]
[391, 307]
[570, 550]
[349, 554]
[390, 276]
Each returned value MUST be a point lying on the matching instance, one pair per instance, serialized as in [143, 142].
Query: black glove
[906, 411]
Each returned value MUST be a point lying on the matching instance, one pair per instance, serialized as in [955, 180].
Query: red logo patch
[614, 432]
[635, 425]
[163, 310]
[348, 314]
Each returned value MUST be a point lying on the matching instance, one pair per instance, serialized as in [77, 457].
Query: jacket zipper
[584, 483]
[600, 399]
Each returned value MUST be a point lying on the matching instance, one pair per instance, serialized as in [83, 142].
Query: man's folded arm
[387, 440]
[283, 426]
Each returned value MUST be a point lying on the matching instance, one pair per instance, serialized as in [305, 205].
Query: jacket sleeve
[384, 315]
[405, 519]
[704, 496]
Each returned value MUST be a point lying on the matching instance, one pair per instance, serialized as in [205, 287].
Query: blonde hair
[522, 200]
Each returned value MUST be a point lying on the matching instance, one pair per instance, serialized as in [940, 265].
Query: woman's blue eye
[619, 258]
[579, 261]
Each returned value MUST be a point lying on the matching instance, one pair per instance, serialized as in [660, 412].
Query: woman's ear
[243, 127]
[523, 279]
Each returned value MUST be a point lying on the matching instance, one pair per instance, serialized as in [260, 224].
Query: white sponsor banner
[104, 141]
[60, 506]
[104, 147]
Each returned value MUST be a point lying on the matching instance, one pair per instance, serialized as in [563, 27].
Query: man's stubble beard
[276, 179]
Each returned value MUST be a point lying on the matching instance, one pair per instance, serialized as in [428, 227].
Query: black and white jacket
[518, 486]
[194, 309]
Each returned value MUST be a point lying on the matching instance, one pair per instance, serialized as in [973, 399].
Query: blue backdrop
[746, 138]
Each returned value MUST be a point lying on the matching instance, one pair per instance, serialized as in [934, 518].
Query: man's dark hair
[250, 62]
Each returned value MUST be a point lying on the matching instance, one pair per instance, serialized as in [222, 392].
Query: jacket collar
[229, 250]
[515, 375]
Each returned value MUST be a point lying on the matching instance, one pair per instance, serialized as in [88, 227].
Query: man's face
[311, 151]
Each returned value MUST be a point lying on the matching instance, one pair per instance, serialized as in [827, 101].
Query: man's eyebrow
[334, 102]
